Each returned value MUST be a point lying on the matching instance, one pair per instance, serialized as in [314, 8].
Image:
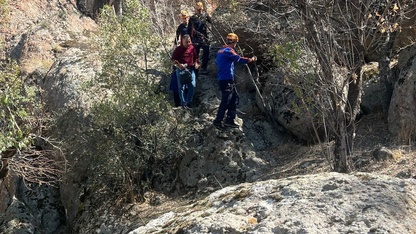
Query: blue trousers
[229, 101]
[186, 97]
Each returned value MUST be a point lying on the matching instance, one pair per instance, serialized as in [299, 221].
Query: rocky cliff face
[48, 39]
[30, 208]
[402, 111]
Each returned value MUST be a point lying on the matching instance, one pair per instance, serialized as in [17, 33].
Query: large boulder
[30, 208]
[402, 110]
[283, 103]
[321, 203]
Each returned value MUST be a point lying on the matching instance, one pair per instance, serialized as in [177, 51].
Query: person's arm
[235, 57]
[191, 26]
[196, 59]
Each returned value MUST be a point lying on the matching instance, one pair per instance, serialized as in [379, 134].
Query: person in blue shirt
[225, 59]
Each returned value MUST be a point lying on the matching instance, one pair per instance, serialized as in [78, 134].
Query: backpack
[185, 76]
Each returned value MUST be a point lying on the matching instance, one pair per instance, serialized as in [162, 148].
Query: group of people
[191, 36]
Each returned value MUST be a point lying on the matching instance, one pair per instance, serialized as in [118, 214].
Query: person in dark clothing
[197, 29]
[182, 28]
[225, 59]
[184, 56]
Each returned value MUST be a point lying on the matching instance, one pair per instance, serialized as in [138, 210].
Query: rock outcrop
[402, 111]
[30, 208]
[322, 203]
[92, 7]
[38, 32]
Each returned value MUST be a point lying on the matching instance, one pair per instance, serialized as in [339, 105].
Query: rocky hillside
[255, 179]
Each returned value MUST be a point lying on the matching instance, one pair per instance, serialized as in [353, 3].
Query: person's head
[199, 7]
[232, 39]
[186, 40]
[184, 16]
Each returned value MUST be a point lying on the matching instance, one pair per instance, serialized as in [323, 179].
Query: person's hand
[253, 59]
[182, 66]
[197, 65]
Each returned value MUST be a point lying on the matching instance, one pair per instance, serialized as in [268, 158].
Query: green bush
[28, 154]
[132, 128]
[19, 106]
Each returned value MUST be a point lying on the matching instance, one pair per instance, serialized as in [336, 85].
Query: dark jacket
[225, 59]
[180, 31]
[197, 28]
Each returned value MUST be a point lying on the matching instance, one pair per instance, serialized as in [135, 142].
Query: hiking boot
[219, 125]
[231, 124]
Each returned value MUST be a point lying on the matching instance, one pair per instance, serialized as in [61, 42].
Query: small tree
[335, 36]
[131, 130]
[340, 33]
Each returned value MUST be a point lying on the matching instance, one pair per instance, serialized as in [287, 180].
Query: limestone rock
[383, 154]
[402, 110]
[92, 7]
[321, 203]
[29, 207]
[37, 30]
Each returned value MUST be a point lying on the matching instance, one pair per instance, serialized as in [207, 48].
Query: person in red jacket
[225, 59]
[185, 57]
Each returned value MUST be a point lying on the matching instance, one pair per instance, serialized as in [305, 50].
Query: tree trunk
[385, 71]
[341, 147]
[345, 106]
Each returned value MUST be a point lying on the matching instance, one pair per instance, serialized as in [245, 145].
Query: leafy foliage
[19, 106]
[286, 55]
[22, 123]
[132, 128]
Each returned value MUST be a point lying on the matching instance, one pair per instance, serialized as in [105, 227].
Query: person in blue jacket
[226, 56]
